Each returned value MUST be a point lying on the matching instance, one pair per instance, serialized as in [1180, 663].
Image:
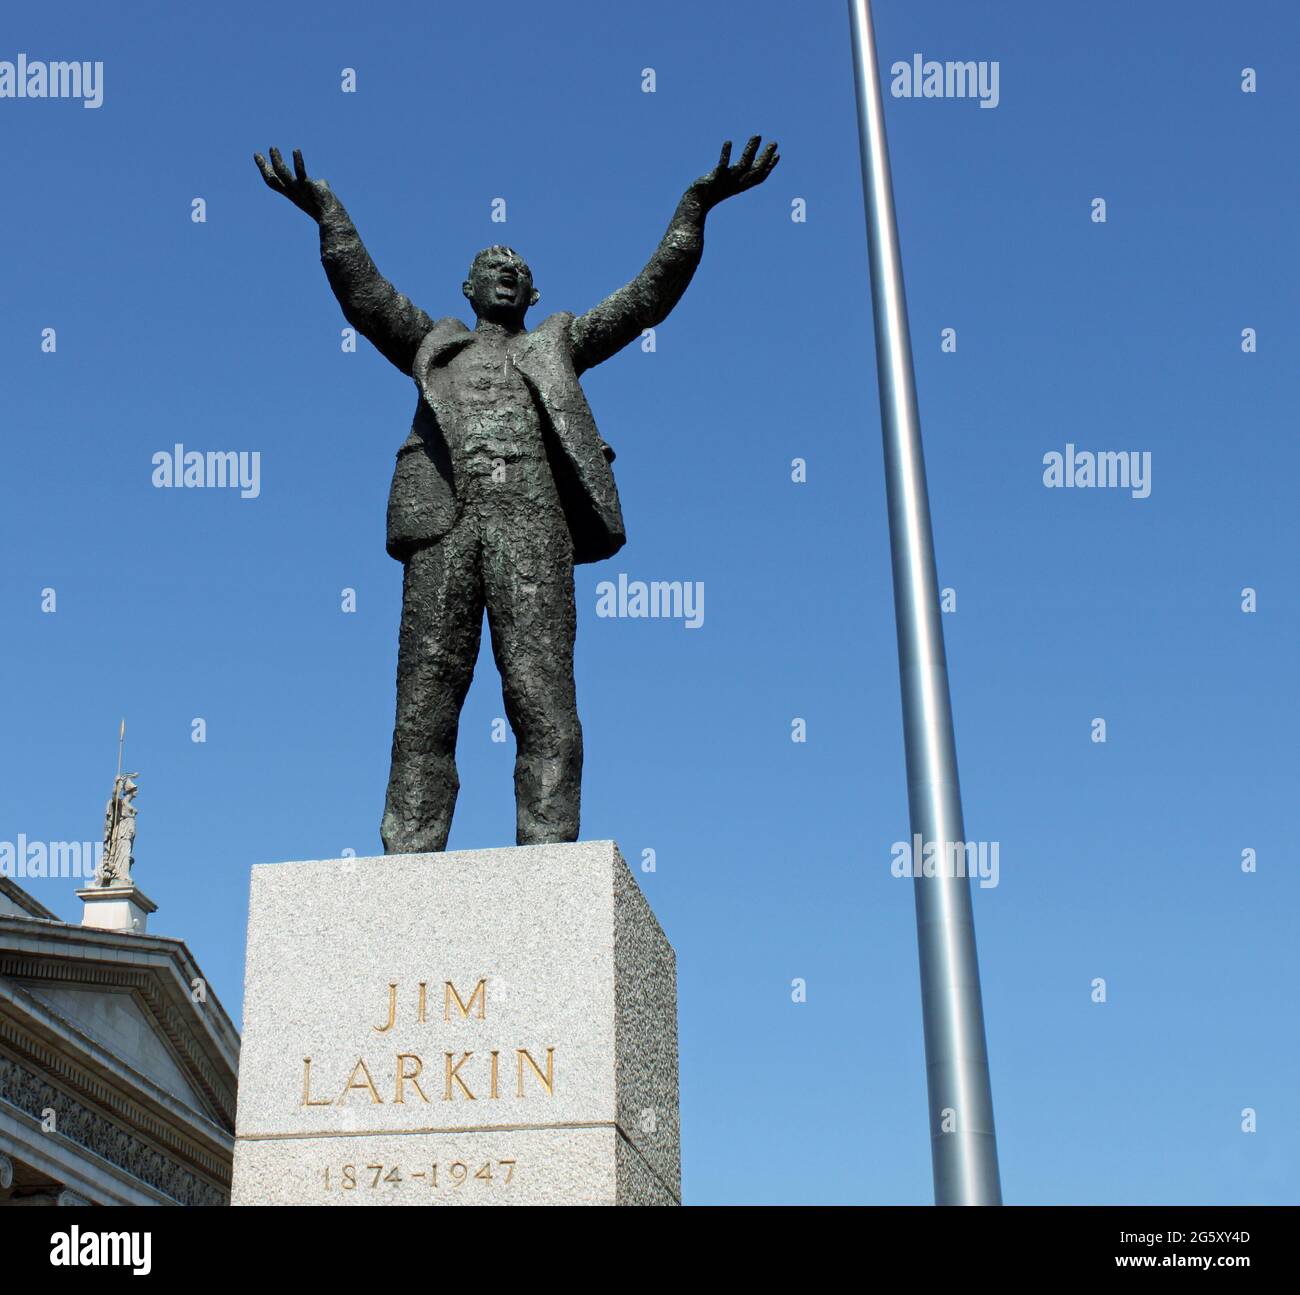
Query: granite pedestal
[484, 1027]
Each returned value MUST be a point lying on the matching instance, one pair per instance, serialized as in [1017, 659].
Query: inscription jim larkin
[502, 486]
[408, 1068]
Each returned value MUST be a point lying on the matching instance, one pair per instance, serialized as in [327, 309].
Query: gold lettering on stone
[453, 1075]
[479, 995]
[369, 1084]
[413, 1078]
[392, 1011]
[307, 1099]
[409, 1067]
[548, 1079]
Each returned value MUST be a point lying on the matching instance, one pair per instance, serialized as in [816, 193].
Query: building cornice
[160, 971]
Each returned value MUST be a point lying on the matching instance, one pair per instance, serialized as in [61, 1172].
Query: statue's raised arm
[393, 323]
[649, 298]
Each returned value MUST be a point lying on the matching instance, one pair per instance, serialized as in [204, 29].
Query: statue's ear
[534, 297]
[464, 287]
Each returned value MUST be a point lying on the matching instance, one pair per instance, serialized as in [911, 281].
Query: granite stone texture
[509, 1016]
[521, 1166]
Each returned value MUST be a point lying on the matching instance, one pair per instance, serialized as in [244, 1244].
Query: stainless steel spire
[962, 1140]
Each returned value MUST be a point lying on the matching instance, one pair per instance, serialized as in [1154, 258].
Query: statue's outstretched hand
[305, 193]
[725, 181]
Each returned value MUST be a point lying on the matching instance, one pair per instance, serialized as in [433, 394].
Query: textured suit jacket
[422, 504]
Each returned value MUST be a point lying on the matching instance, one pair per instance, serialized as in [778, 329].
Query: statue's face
[500, 286]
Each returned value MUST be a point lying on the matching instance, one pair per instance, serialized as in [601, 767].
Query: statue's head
[500, 286]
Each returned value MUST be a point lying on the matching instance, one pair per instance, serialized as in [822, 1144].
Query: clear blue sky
[1119, 861]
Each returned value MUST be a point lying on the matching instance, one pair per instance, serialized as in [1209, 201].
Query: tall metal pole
[963, 1145]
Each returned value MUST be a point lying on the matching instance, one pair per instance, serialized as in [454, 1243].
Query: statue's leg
[442, 621]
[528, 574]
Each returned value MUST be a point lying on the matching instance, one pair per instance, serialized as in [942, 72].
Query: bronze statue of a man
[501, 487]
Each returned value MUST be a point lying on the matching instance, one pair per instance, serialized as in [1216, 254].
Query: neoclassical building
[117, 1063]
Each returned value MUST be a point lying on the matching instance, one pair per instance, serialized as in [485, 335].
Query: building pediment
[16, 902]
[116, 1033]
[116, 1018]
[135, 1000]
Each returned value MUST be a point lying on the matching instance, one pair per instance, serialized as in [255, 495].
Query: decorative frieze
[34, 1095]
